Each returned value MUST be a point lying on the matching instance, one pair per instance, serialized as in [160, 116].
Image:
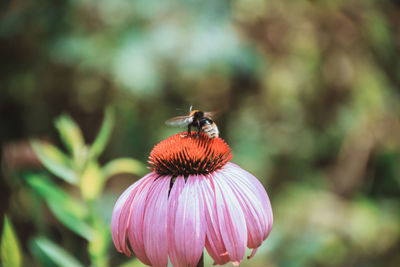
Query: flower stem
[201, 261]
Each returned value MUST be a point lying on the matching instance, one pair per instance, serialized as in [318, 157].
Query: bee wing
[211, 114]
[180, 121]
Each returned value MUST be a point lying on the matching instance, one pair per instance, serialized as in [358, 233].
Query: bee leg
[189, 130]
[198, 131]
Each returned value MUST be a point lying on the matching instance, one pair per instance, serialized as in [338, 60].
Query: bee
[199, 119]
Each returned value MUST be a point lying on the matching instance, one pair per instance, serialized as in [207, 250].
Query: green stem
[99, 243]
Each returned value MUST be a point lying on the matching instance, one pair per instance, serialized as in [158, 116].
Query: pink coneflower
[193, 198]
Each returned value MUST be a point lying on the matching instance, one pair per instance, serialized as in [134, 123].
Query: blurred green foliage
[56, 253]
[308, 94]
[9, 247]
[79, 214]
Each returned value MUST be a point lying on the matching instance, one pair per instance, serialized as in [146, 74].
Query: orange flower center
[183, 154]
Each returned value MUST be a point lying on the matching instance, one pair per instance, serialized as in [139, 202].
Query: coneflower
[193, 198]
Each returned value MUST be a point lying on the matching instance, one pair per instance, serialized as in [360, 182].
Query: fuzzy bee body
[210, 128]
[198, 119]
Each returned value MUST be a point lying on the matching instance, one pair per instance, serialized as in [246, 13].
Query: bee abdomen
[211, 130]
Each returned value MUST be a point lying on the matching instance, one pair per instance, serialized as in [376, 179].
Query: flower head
[189, 155]
[193, 199]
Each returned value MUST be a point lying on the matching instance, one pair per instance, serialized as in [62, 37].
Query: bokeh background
[308, 94]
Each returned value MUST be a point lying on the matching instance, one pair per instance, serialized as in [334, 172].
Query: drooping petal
[252, 254]
[118, 230]
[136, 225]
[253, 182]
[122, 214]
[190, 223]
[231, 219]
[172, 207]
[214, 243]
[256, 219]
[155, 222]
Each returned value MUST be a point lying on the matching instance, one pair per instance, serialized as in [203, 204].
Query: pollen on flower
[184, 154]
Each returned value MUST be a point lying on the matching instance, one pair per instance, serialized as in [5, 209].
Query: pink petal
[122, 213]
[116, 231]
[256, 219]
[252, 181]
[172, 206]
[214, 243]
[155, 222]
[252, 253]
[190, 223]
[231, 219]
[136, 225]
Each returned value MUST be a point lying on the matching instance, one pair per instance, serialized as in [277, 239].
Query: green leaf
[92, 181]
[104, 134]
[124, 165]
[52, 192]
[70, 211]
[70, 134]
[72, 222]
[10, 249]
[56, 253]
[55, 161]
